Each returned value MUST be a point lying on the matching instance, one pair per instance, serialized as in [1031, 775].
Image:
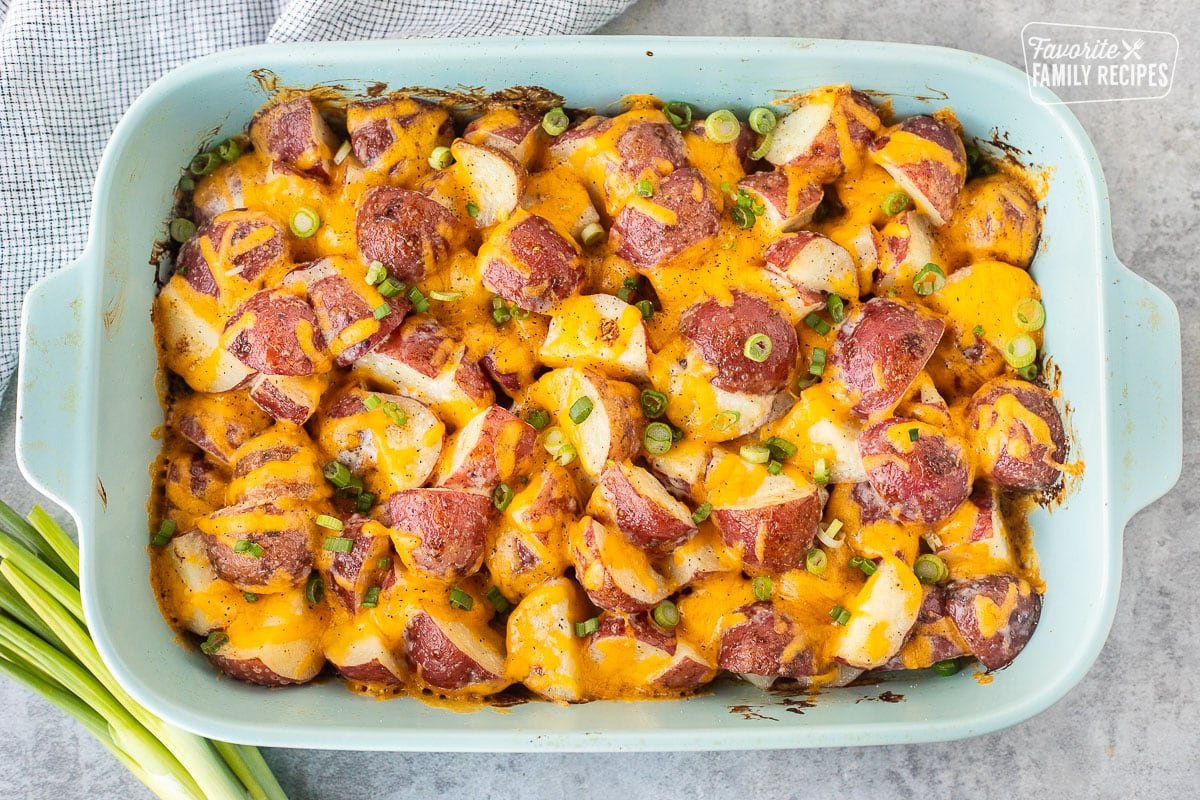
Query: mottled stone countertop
[1131, 728]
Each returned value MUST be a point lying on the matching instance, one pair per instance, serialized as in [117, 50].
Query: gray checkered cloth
[69, 70]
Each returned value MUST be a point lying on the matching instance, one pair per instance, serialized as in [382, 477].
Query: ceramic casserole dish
[88, 405]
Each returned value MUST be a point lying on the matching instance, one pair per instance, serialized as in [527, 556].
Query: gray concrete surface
[1131, 729]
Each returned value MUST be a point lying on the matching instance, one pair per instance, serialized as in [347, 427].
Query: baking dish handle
[51, 383]
[1146, 390]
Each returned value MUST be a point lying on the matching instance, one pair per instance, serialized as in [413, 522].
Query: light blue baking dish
[87, 406]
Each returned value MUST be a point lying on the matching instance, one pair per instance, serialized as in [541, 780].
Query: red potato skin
[451, 525]
[437, 660]
[1036, 470]
[647, 242]
[285, 398]
[925, 484]
[338, 306]
[608, 595]
[940, 185]
[688, 673]
[824, 155]
[756, 646]
[545, 268]
[423, 344]
[371, 672]
[197, 483]
[370, 139]
[480, 467]
[271, 343]
[217, 435]
[891, 336]
[779, 256]
[650, 148]
[406, 231]
[643, 521]
[786, 529]
[251, 670]
[251, 264]
[997, 651]
[522, 140]
[773, 190]
[720, 332]
[285, 553]
[352, 573]
[291, 131]
[253, 455]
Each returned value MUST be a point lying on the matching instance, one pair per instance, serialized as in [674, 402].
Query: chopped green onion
[755, 453]
[441, 157]
[352, 488]
[304, 222]
[555, 439]
[565, 455]
[914, 434]
[722, 126]
[665, 615]
[592, 233]
[538, 418]
[381, 311]
[816, 365]
[654, 403]
[338, 544]
[817, 324]
[460, 599]
[930, 569]
[781, 449]
[1030, 314]
[371, 598]
[757, 347]
[245, 547]
[866, 565]
[894, 203]
[832, 535]
[472, 209]
[372, 402]
[331, 523]
[395, 413]
[946, 668]
[204, 164]
[1021, 351]
[390, 287]
[581, 409]
[215, 641]
[928, 279]
[679, 114]
[804, 381]
[364, 502]
[816, 561]
[978, 331]
[763, 148]
[762, 120]
[820, 472]
[446, 297]
[165, 531]
[646, 307]
[376, 272]
[701, 513]
[839, 615]
[502, 495]
[657, 438]
[774, 467]
[342, 152]
[384, 562]
[726, 420]
[497, 599]
[586, 627]
[743, 218]
[762, 587]
[555, 121]
[1028, 372]
[645, 188]
[182, 229]
[338, 474]
[229, 150]
[250, 597]
[418, 299]
[314, 589]
[501, 313]
[187, 184]
[676, 433]
[837, 307]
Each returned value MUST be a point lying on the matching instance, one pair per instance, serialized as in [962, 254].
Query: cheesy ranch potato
[603, 406]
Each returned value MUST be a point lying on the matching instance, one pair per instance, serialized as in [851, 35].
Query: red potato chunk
[996, 220]
[186, 580]
[996, 616]
[647, 147]
[237, 247]
[193, 487]
[813, 264]
[528, 262]
[789, 198]
[826, 133]
[926, 157]
[343, 303]
[601, 332]
[514, 132]
[774, 525]
[683, 213]
[681, 469]
[612, 430]
[287, 398]
[217, 423]
[263, 647]
[406, 231]
[543, 651]
[616, 575]
[486, 451]
[907, 246]
[280, 462]
[449, 656]
[924, 475]
[879, 352]
[280, 554]
[396, 135]
[352, 573]
[634, 654]
[974, 539]
[440, 532]
[190, 326]
[719, 334]
[361, 655]
[559, 193]
[760, 640]
[640, 507]
[573, 140]
[294, 132]
[1017, 433]
[217, 193]
[882, 615]
[276, 333]
[389, 457]
[495, 179]
[429, 363]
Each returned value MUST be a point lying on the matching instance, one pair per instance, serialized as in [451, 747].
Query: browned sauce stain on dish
[796, 706]
[103, 495]
[886, 696]
[749, 713]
